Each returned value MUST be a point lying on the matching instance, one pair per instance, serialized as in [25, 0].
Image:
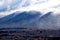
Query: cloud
[24, 5]
[1, 3]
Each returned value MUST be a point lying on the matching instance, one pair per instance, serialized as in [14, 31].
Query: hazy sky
[43, 6]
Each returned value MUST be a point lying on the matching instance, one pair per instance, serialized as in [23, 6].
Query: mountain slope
[23, 19]
[31, 19]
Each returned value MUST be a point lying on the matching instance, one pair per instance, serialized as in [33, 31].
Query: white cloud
[1, 3]
[42, 6]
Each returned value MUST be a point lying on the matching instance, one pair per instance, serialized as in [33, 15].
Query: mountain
[49, 21]
[31, 19]
[20, 19]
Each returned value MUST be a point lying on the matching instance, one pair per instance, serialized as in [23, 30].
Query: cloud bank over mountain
[44, 6]
[43, 14]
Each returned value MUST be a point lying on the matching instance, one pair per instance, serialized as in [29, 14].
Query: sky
[9, 6]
